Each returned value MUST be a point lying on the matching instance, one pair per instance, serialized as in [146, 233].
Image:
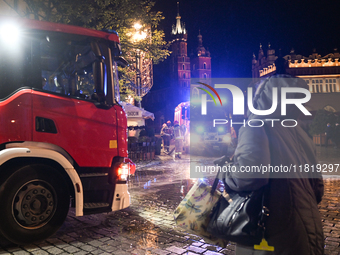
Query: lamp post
[138, 78]
[138, 36]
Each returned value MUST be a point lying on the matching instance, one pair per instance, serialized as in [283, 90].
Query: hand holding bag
[241, 218]
[193, 212]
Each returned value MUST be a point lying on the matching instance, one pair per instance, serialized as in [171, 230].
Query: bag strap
[219, 175]
[216, 181]
[265, 197]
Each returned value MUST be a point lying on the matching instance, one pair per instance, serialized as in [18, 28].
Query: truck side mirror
[99, 73]
[121, 61]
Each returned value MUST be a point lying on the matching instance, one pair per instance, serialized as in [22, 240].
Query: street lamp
[138, 36]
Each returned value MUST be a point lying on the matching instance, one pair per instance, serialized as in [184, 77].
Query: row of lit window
[184, 76]
[186, 84]
[319, 88]
[204, 76]
[194, 66]
[321, 81]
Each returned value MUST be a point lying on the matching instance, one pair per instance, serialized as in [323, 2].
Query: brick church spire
[200, 50]
[179, 28]
[180, 61]
[201, 62]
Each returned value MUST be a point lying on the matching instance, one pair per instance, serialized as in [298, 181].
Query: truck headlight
[194, 138]
[200, 129]
[227, 138]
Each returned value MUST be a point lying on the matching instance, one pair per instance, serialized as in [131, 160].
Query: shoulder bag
[239, 217]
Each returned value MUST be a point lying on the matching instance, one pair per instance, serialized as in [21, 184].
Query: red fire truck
[63, 135]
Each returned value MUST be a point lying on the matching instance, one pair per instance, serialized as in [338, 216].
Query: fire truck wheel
[34, 204]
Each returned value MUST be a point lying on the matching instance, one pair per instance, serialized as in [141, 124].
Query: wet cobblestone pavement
[147, 226]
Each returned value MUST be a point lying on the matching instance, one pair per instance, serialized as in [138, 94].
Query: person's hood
[264, 97]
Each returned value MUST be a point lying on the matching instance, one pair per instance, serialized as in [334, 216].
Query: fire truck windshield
[67, 64]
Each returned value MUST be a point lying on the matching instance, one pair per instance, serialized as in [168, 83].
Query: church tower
[180, 62]
[201, 62]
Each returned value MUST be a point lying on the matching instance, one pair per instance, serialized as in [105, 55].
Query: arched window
[204, 65]
[183, 66]
[183, 59]
[329, 108]
[184, 76]
[195, 92]
[205, 76]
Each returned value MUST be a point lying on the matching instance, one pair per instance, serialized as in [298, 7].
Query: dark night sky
[232, 30]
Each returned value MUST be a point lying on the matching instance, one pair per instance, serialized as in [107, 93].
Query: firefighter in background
[166, 133]
[179, 133]
[233, 136]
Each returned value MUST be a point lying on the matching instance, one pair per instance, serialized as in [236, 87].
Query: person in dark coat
[329, 132]
[166, 133]
[294, 224]
[336, 136]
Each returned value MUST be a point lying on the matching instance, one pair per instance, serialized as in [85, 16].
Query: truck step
[93, 175]
[95, 205]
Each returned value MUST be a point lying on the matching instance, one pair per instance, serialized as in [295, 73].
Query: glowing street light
[9, 33]
[137, 26]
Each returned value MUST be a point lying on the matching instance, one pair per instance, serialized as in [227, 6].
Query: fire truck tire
[34, 203]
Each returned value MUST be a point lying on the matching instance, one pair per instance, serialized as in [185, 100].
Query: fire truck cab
[63, 134]
[205, 139]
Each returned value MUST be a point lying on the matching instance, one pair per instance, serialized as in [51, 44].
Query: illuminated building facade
[321, 73]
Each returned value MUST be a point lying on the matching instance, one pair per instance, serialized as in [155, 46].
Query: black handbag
[240, 217]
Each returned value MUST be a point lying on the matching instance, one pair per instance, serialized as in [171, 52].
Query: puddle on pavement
[146, 234]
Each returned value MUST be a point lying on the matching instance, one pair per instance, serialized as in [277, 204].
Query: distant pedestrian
[336, 135]
[233, 137]
[166, 134]
[179, 138]
[329, 132]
